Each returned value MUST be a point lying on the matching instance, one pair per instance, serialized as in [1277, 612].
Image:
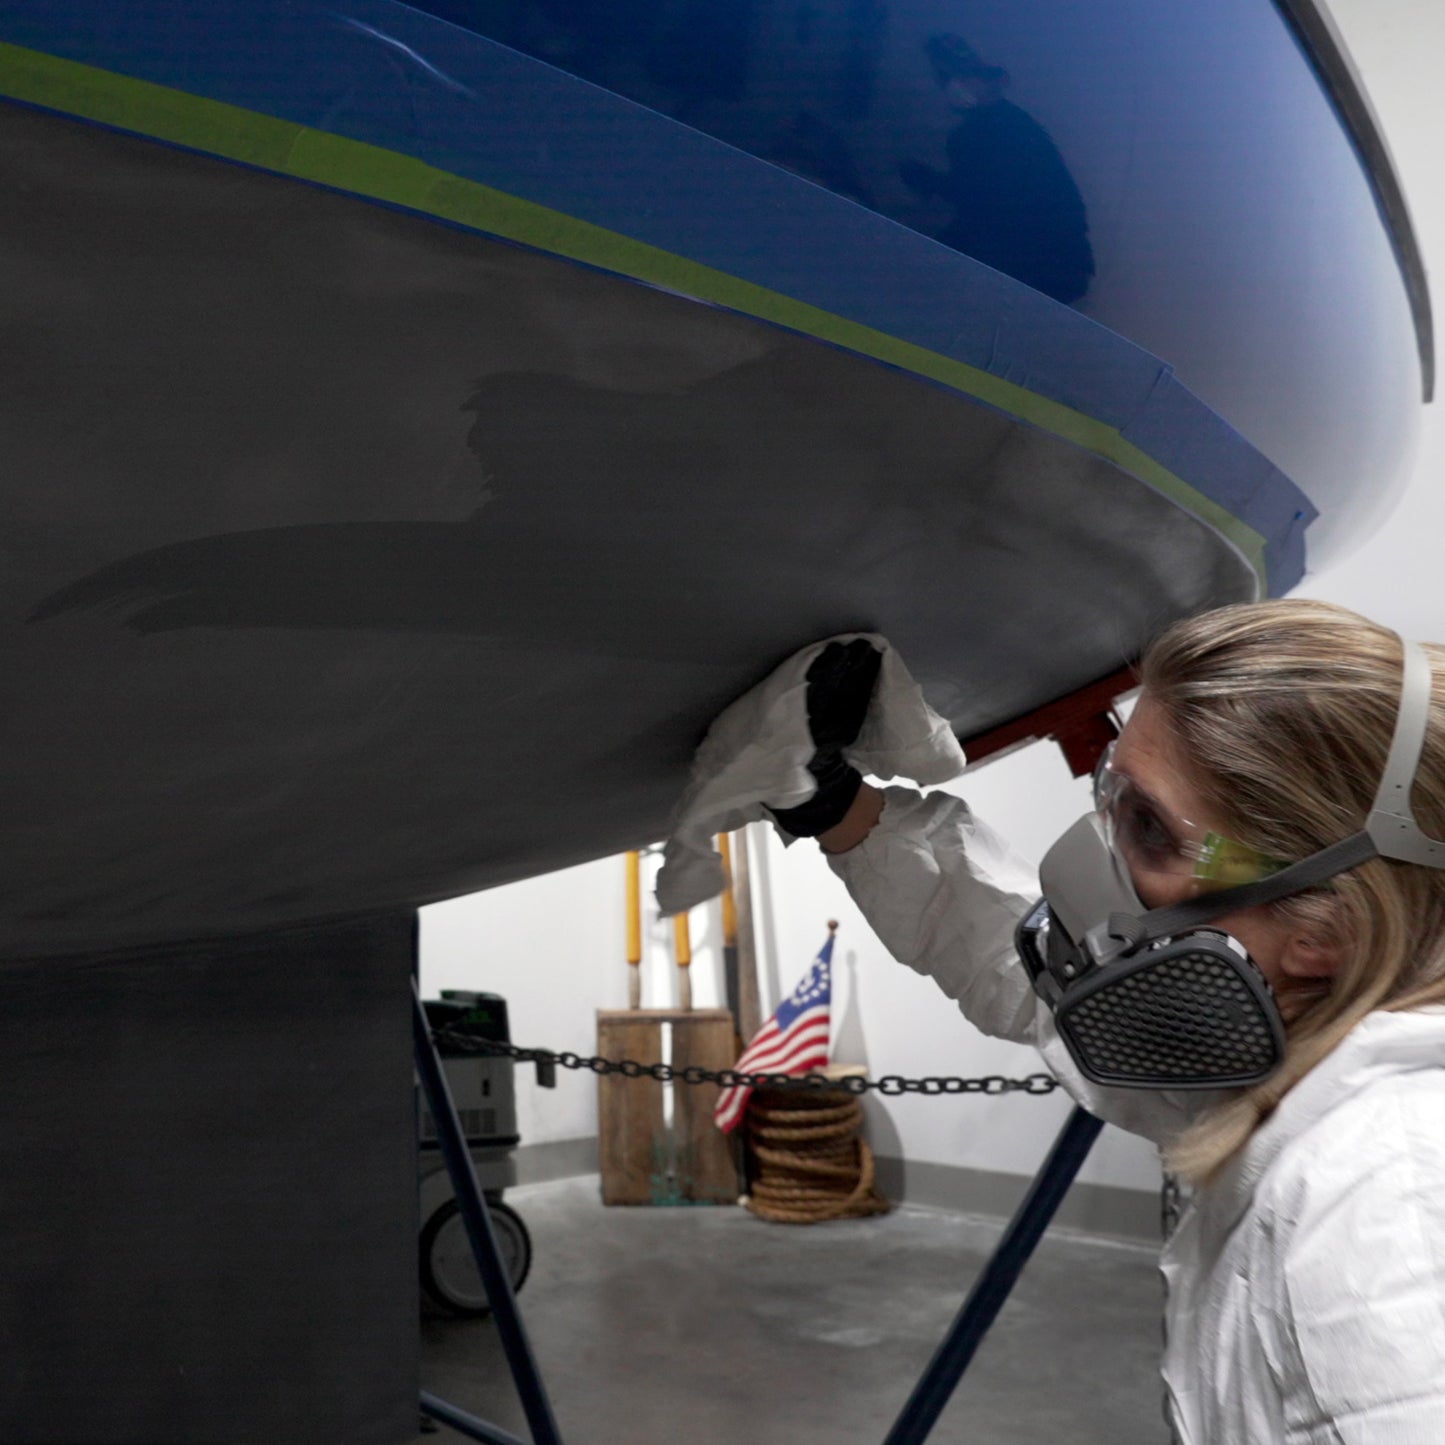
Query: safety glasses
[1150, 840]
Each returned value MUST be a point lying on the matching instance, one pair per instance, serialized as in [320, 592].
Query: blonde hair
[1285, 711]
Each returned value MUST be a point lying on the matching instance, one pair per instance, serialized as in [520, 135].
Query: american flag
[793, 1041]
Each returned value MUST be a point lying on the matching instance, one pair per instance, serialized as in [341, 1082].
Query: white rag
[758, 749]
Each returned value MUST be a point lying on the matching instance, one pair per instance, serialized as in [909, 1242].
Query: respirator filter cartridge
[1184, 1014]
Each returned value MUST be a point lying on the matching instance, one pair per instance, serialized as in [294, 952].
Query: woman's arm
[944, 894]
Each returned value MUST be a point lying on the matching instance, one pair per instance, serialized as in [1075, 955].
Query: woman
[1307, 1277]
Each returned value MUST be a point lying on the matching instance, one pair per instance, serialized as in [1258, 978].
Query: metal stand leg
[468, 1425]
[992, 1288]
[477, 1219]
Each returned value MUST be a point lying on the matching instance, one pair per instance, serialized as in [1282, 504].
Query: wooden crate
[642, 1160]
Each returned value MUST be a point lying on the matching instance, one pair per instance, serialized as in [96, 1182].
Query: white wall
[1395, 575]
[554, 946]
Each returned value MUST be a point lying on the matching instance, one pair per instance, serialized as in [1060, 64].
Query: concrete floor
[709, 1327]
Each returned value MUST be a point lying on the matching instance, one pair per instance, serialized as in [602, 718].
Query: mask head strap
[1391, 824]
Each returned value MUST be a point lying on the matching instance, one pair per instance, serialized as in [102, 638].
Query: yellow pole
[634, 929]
[729, 903]
[729, 928]
[682, 938]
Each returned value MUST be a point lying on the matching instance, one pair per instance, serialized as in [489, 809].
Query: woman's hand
[841, 680]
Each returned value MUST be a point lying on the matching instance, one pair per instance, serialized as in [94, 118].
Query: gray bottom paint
[341, 565]
[208, 1198]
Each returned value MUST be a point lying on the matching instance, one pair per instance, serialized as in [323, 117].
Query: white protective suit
[1306, 1297]
[1307, 1284]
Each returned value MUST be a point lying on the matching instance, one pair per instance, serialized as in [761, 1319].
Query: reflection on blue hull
[1177, 172]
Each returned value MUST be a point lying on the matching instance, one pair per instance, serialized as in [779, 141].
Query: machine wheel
[449, 1273]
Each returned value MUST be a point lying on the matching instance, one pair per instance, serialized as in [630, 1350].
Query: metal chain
[890, 1085]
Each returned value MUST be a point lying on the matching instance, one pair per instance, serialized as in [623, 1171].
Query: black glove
[840, 687]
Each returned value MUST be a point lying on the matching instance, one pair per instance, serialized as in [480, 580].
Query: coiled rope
[808, 1162]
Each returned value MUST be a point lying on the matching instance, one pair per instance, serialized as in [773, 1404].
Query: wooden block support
[706, 1169]
[642, 1160]
[629, 1111]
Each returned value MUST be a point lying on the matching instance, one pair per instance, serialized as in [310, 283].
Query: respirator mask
[1157, 999]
